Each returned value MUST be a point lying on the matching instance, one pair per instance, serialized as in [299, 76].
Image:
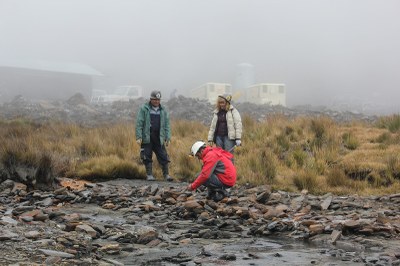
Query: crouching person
[217, 173]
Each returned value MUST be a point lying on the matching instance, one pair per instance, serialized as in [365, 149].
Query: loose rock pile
[83, 223]
[77, 110]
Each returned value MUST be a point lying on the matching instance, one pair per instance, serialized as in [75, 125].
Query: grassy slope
[316, 154]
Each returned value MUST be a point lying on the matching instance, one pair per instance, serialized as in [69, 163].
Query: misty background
[325, 51]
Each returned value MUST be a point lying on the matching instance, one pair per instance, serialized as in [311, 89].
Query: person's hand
[167, 142]
[189, 187]
[139, 141]
[210, 143]
[238, 142]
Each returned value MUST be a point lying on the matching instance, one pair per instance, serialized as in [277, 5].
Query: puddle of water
[96, 214]
[246, 251]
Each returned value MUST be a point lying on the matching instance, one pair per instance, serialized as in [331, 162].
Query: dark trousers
[156, 147]
[214, 183]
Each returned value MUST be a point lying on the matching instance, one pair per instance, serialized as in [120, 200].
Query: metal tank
[244, 79]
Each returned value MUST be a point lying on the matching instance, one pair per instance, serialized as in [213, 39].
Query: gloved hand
[210, 143]
[167, 142]
[139, 141]
[238, 142]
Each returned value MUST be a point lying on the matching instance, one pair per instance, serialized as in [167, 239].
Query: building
[45, 80]
[266, 93]
[210, 91]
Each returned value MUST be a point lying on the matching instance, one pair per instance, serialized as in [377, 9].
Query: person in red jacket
[217, 173]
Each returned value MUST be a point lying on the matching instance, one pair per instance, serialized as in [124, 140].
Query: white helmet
[196, 146]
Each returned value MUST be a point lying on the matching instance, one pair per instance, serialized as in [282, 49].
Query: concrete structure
[266, 93]
[210, 91]
[244, 77]
[44, 80]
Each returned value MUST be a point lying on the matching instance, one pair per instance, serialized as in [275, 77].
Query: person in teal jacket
[153, 133]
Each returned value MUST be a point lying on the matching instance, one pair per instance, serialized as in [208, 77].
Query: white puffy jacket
[234, 122]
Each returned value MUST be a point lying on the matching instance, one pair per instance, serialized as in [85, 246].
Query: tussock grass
[350, 141]
[106, 167]
[306, 179]
[261, 168]
[393, 165]
[189, 129]
[392, 123]
[187, 165]
[336, 177]
[316, 154]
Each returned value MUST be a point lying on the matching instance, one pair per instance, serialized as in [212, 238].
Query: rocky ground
[77, 110]
[136, 222]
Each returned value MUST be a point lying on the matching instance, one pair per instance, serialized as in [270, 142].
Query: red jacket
[218, 161]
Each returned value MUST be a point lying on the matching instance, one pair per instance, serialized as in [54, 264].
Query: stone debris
[57, 230]
[77, 110]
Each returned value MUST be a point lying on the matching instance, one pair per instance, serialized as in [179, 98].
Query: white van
[122, 93]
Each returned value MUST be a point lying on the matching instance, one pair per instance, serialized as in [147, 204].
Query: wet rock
[60, 191]
[44, 242]
[7, 235]
[178, 258]
[157, 222]
[263, 196]
[108, 205]
[73, 217]
[319, 239]
[335, 236]
[86, 229]
[228, 257]
[316, 229]
[32, 235]
[46, 202]
[26, 219]
[111, 249]
[349, 246]
[55, 253]
[20, 189]
[326, 203]
[274, 198]
[352, 224]
[53, 260]
[194, 206]
[113, 262]
[146, 237]
[8, 220]
[21, 209]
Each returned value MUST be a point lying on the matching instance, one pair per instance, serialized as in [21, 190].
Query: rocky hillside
[77, 110]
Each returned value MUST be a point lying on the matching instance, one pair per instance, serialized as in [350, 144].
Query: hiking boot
[220, 194]
[202, 188]
[169, 178]
[150, 178]
[165, 171]
[149, 172]
[210, 194]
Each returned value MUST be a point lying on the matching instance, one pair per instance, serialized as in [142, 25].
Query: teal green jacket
[143, 124]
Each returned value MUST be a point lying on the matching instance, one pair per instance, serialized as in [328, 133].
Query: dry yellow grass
[316, 154]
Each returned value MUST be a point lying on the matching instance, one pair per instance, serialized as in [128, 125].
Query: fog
[323, 50]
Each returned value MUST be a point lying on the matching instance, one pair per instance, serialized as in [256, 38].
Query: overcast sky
[321, 49]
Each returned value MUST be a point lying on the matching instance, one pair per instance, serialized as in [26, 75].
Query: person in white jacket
[226, 125]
